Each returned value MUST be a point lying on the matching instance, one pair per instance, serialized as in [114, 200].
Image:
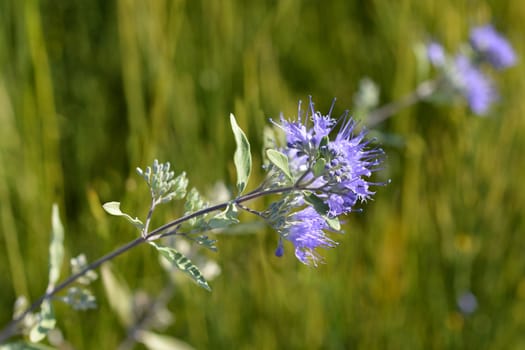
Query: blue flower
[305, 230]
[352, 162]
[492, 46]
[474, 85]
[349, 160]
[332, 166]
[436, 54]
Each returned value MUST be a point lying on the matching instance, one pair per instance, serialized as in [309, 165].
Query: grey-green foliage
[78, 264]
[164, 187]
[182, 263]
[113, 208]
[56, 247]
[46, 322]
[38, 325]
[225, 218]
[80, 298]
[280, 160]
[21, 345]
[45, 319]
[242, 157]
[194, 202]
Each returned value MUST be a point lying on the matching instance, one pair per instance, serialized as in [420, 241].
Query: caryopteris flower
[330, 166]
[492, 46]
[475, 86]
[305, 230]
[436, 54]
[463, 73]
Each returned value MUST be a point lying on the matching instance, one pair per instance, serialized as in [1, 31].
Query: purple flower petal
[492, 46]
[436, 54]
[475, 86]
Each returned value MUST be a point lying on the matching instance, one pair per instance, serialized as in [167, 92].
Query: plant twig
[10, 330]
[424, 90]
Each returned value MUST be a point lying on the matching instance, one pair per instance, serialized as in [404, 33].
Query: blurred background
[89, 90]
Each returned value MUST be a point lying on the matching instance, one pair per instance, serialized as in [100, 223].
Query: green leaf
[56, 247]
[280, 160]
[21, 345]
[46, 323]
[324, 142]
[194, 202]
[80, 298]
[206, 242]
[332, 222]
[78, 264]
[242, 157]
[226, 218]
[319, 205]
[113, 208]
[322, 209]
[183, 263]
[119, 295]
[180, 183]
[319, 167]
[161, 342]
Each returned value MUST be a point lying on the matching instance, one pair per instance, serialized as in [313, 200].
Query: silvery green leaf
[113, 208]
[242, 157]
[182, 263]
[80, 299]
[21, 345]
[280, 160]
[119, 295]
[225, 218]
[180, 183]
[21, 304]
[56, 247]
[206, 242]
[78, 264]
[332, 222]
[155, 341]
[194, 202]
[45, 323]
[367, 96]
[319, 167]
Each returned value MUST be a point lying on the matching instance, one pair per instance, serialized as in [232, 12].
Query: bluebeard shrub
[322, 171]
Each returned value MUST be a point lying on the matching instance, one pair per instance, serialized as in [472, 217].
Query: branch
[10, 329]
[424, 90]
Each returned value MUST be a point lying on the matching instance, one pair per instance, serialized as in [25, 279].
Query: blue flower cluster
[330, 166]
[463, 72]
[492, 47]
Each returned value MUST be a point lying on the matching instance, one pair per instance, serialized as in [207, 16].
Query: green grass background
[91, 89]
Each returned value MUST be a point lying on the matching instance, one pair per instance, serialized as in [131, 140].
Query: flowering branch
[318, 179]
[9, 330]
[460, 76]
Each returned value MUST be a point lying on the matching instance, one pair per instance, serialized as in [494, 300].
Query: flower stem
[424, 90]
[10, 330]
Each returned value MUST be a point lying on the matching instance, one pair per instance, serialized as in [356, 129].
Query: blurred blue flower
[474, 85]
[462, 74]
[492, 46]
[467, 303]
[436, 54]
